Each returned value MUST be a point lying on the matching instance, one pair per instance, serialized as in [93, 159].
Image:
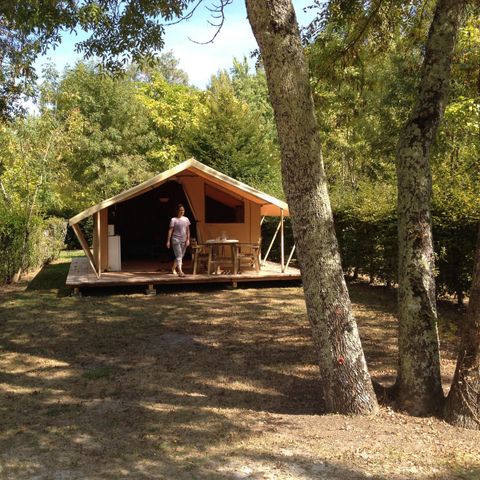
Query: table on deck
[215, 260]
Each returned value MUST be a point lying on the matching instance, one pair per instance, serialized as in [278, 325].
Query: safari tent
[217, 205]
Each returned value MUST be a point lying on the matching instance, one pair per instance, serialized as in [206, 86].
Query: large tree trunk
[463, 403]
[418, 383]
[346, 383]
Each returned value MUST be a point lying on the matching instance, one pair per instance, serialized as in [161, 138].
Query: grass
[200, 384]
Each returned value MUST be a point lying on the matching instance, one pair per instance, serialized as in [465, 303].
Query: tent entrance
[143, 221]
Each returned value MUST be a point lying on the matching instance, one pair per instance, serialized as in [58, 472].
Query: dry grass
[210, 384]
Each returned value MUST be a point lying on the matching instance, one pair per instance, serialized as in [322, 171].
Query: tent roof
[270, 206]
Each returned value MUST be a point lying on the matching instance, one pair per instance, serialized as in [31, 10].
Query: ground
[201, 384]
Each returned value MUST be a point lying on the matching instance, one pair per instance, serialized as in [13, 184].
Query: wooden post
[85, 247]
[76, 292]
[151, 289]
[290, 257]
[260, 242]
[282, 243]
[98, 229]
[271, 243]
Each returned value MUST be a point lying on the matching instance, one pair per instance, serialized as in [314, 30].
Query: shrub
[53, 239]
[23, 250]
[12, 234]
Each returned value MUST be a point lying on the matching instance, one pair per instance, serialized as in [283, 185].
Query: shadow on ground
[180, 385]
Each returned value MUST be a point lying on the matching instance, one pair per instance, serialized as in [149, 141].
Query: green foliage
[120, 32]
[12, 234]
[175, 112]
[454, 243]
[27, 242]
[233, 136]
[111, 151]
[364, 78]
[53, 242]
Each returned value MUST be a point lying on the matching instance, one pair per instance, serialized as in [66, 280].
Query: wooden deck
[150, 273]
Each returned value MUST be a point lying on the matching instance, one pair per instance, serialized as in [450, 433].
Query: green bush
[371, 248]
[454, 243]
[71, 240]
[12, 234]
[53, 239]
[26, 249]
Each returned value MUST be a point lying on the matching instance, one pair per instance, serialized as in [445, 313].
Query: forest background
[95, 135]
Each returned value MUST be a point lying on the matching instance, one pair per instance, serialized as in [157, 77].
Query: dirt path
[211, 384]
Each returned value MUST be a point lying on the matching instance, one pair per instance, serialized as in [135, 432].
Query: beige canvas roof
[270, 206]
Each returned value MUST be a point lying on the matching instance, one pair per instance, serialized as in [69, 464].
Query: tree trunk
[419, 384]
[346, 383]
[463, 403]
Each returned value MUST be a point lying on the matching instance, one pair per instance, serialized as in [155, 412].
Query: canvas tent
[214, 202]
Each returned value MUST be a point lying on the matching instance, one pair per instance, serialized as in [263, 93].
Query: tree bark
[418, 382]
[463, 403]
[346, 384]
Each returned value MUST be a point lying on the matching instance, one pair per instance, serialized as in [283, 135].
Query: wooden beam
[97, 242]
[85, 247]
[282, 242]
[132, 192]
[104, 238]
[271, 243]
[193, 166]
[290, 257]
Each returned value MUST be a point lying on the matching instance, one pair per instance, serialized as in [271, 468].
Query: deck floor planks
[82, 275]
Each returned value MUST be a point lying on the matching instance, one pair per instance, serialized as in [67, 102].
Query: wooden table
[215, 260]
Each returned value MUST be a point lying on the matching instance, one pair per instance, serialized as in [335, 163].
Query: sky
[199, 61]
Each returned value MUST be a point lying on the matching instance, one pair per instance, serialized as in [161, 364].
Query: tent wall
[246, 232]
[194, 188]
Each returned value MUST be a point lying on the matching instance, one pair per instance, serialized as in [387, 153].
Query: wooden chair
[218, 261]
[248, 254]
[199, 256]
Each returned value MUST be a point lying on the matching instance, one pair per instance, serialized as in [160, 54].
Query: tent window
[221, 207]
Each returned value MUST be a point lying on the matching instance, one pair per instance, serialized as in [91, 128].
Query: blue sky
[199, 61]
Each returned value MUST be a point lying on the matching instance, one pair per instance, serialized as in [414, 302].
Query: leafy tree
[175, 113]
[112, 150]
[419, 382]
[121, 32]
[30, 169]
[233, 138]
[165, 64]
[346, 383]
[462, 407]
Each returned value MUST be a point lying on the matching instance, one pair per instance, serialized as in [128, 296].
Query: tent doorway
[143, 221]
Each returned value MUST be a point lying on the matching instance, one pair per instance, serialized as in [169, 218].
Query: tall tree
[233, 138]
[419, 382]
[346, 383]
[463, 403]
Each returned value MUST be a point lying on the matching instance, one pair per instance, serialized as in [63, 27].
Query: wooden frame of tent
[210, 198]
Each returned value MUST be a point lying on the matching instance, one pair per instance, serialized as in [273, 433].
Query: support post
[86, 248]
[271, 243]
[98, 237]
[290, 257]
[282, 242]
[151, 289]
[262, 219]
